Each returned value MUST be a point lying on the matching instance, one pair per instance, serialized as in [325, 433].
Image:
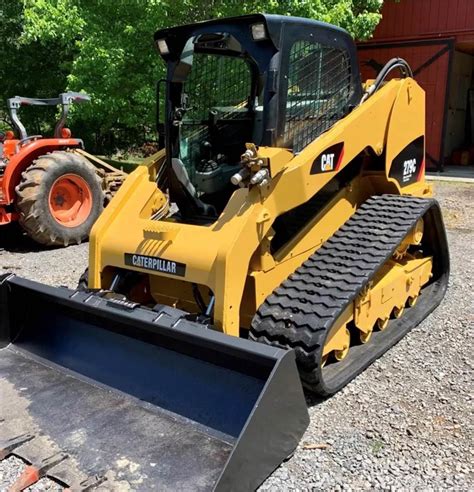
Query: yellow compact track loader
[285, 230]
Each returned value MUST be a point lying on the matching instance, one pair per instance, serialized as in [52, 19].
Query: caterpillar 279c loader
[287, 218]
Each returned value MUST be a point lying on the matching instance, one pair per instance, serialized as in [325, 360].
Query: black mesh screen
[319, 86]
[218, 83]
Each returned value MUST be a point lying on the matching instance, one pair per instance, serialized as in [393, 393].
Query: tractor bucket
[97, 393]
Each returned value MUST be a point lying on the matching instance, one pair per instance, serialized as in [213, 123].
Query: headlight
[162, 46]
[259, 32]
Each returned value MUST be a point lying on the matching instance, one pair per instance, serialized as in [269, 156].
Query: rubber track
[302, 310]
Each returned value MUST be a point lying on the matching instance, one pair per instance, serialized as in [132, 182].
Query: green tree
[108, 51]
[35, 68]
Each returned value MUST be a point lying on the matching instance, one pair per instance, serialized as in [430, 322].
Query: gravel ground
[405, 423]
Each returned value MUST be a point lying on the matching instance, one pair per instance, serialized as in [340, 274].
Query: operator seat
[188, 202]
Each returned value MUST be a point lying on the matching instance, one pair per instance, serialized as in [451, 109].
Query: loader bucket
[100, 393]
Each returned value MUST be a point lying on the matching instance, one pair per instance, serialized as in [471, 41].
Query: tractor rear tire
[59, 198]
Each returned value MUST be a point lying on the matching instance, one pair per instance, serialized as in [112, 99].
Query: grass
[377, 446]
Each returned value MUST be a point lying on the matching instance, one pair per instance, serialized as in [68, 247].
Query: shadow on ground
[14, 240]
[312, 399]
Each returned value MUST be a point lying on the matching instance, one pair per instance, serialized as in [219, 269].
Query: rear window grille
[319, 89]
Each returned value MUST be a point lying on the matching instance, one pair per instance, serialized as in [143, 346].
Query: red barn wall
[425, 33]
[431, 76]
[410, 19]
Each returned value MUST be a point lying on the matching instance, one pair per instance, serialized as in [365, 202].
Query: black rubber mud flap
[140, 398]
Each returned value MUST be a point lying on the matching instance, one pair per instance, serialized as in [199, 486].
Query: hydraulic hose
[399, 63]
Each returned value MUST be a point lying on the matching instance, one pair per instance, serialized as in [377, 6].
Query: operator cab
[216, 115]
[267, 80]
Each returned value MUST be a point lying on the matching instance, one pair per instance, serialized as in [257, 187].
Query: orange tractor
[51, 185]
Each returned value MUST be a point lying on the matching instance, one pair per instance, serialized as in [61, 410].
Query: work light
[162, 46]
[258, 31]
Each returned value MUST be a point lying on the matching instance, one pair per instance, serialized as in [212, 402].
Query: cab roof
[279, 28]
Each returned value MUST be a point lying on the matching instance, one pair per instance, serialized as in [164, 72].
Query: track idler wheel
[342, 353]
[398, 311]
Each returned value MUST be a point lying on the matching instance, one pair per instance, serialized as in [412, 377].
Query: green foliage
[105, 48]
[34, 68]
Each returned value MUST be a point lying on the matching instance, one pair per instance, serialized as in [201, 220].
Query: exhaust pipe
[139, 397]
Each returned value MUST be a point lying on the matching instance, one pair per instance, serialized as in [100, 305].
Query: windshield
[218, 120]
[214, 111]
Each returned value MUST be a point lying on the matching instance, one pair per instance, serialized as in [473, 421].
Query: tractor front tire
[59, 198]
